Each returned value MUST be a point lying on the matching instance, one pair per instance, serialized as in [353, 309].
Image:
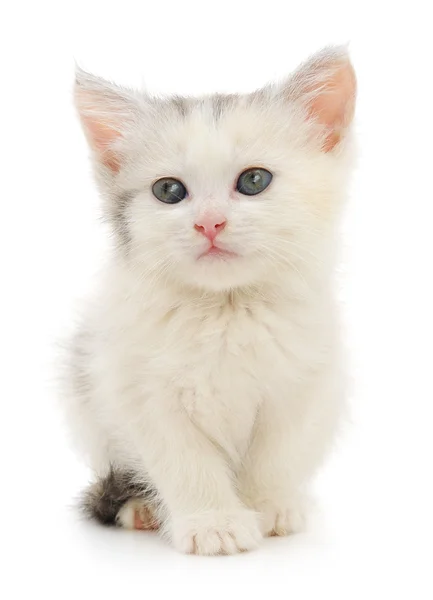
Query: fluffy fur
[216, 382]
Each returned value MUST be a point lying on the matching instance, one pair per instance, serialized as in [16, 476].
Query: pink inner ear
[102, 137]
[100, 126]
[334, 104]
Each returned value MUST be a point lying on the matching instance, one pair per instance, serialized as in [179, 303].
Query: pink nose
[210, 226]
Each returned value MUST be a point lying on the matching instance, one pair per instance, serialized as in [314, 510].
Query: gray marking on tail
[106, 496]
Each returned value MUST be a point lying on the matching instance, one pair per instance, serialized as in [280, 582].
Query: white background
[373, 535]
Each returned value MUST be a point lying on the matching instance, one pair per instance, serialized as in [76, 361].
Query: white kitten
[205, 383]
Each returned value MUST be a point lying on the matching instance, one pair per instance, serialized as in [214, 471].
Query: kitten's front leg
[195, 484]
[269, 483]
[290, 441]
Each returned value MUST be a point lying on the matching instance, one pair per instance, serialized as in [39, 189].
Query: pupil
[170, 189]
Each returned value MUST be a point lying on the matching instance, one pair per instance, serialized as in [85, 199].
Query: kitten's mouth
[216, 252]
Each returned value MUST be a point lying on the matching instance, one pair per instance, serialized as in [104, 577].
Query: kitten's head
[224, 191]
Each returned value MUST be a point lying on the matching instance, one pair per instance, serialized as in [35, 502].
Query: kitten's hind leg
[138, 513]
[120, 499]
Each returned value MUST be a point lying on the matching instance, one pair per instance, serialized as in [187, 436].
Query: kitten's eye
[253, 181]
[169, 190]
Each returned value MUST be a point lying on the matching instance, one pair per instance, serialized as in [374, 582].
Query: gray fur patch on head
[221, 103]
[118, 217]
[106, 496]
[181, 104]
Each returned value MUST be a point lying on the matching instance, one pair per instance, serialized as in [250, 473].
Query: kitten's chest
[225, 366]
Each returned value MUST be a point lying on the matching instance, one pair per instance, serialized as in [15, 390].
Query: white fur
[219, 381]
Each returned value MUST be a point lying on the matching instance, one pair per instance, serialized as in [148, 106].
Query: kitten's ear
[106, 112]
[326, 86]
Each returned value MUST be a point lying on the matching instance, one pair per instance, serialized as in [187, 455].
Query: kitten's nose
[210, 225]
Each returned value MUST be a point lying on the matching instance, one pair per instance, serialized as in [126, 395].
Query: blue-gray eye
[253, 181]
[169, 190]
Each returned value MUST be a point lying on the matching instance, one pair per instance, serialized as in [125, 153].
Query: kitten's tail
[109, 499]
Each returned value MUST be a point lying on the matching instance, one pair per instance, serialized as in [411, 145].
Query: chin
[219, 274]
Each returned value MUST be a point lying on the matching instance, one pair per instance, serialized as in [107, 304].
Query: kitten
[205, 383]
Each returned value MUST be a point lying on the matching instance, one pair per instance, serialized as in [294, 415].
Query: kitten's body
[215, 381]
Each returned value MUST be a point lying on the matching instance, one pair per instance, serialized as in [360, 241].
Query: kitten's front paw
[216, 532]
[282, 520]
